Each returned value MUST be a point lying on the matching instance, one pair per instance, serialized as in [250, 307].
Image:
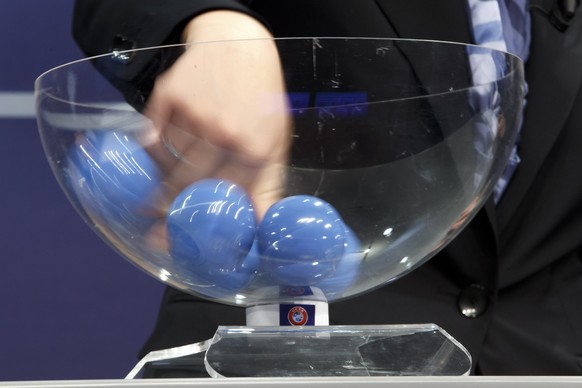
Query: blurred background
[70, 308]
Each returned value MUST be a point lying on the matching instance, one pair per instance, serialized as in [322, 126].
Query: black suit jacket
[518, 265]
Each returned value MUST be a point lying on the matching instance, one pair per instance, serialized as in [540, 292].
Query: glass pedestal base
[244, 351]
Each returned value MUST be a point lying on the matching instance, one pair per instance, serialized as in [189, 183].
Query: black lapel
[445, 20]
[421, 19]
[554, 74]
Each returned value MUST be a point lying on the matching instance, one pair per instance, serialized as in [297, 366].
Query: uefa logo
[294, 291]
[297, 316]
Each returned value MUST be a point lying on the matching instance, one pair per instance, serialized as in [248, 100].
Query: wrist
[223, 25]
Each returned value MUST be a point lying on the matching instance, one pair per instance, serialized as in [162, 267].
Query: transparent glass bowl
[394, 146]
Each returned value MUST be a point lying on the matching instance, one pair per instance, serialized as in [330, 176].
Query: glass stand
[384, 350]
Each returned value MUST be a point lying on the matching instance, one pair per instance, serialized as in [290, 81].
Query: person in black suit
[509, 286]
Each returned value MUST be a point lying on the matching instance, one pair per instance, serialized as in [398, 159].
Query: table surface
[319, 382]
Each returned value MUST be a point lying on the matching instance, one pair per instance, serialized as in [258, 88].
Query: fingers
[262, 179]
[220, 112]
[184, 158]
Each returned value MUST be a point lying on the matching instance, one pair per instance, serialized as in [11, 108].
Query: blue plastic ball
[347, 269]
[119, 166]
[114, 176]
[211, 229]
[301, 238]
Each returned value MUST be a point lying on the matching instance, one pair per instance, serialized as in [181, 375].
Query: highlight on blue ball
[301, 239]
[211, 229]
[114, 177]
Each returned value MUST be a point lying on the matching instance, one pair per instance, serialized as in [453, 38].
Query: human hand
[220, 111]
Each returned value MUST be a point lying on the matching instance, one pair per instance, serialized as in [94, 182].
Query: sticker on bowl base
[296, 315]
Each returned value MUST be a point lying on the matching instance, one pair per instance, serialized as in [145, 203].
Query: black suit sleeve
[103, 26]
[98, 25]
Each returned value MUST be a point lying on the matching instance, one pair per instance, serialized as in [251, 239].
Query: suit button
[120, 47]
[473, 301]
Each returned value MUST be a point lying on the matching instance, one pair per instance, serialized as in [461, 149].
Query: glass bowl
[391, 147]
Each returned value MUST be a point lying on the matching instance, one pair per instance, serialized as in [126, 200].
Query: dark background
[70, 308]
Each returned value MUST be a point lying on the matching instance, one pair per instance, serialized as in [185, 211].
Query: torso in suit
[517, 267]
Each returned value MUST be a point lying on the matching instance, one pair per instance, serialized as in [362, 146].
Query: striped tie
[501, 25]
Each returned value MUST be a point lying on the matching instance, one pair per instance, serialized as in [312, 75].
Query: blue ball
[300, 240]
[211, 229]
[347, 269]
[114, 177]
[119, 166]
